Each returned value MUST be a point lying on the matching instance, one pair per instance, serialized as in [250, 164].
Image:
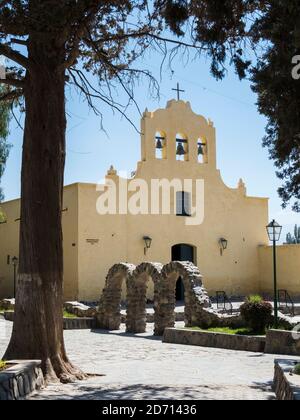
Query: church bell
[159, 145]
[200, 149]
[180, 150]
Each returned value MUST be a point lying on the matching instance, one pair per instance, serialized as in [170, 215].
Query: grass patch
[230, 331]
[2, 310]
[68, 315]
[2, 365]
[65, 313]
[297, 369]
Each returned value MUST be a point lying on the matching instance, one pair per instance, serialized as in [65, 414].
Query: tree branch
[15, 56]
[19, 41]
[84, 88]
[74, 52]
[12, 95]
[141, 34]
[12, 81]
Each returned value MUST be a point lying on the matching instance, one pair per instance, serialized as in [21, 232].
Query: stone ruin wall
[198, 309]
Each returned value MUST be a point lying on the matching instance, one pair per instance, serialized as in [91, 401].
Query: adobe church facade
[177, 145]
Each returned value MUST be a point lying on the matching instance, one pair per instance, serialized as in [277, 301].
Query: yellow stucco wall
[9, 246]
[288, 268]
[70, 238]
[9, 243]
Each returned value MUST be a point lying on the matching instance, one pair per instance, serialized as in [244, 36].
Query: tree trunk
[38, 323]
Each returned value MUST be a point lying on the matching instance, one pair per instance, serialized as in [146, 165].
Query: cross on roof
[178, 90]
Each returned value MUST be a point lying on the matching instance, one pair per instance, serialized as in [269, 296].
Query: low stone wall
[79, 323]
[286, 385]
[283, 342]
[80, 310]
[214, 340]
[69, 323]
[7, 304]
[20, 380]
[9, 316]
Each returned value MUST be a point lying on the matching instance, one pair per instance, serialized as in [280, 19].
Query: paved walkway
[142, 367]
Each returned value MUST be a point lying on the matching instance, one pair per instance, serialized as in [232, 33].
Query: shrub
[257, 314]
[255, 299]
[297, 370]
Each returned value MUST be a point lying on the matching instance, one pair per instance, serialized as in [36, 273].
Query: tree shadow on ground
[266, 387]
[150, 336]
[100, 392]
[256, 355]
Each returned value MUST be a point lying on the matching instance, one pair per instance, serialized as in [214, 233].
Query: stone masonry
[286, 385]
[198, 310]
[109, 313]
[80, 310]
[136, 319]
[7, 304]
[20, 379]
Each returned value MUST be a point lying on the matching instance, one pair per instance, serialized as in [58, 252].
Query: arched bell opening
[182, 148]
[202, 150]
[160, 145]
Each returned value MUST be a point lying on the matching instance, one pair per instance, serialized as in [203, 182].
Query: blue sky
[229, 103]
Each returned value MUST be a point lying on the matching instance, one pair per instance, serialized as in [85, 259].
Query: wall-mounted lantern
[223, 245]
[148, 243]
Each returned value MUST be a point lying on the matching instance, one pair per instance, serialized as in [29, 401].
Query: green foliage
[232, 331]
[279, 94]
[257, 314]
[297, 370]
[4, 147]
[255, 299]
[2, 365]
[69, 315]
[293, 240]
[226, 330]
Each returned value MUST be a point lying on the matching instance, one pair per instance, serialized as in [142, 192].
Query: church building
[220, 229]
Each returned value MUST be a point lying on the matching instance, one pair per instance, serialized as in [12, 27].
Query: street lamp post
[274, 231]
[15, 264]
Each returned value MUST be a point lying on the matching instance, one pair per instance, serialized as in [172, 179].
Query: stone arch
[137, 296]
[196, 298]
[198, 311]
[183, 252]
[109, 311]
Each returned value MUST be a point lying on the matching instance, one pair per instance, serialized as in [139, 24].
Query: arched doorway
[182, 252]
